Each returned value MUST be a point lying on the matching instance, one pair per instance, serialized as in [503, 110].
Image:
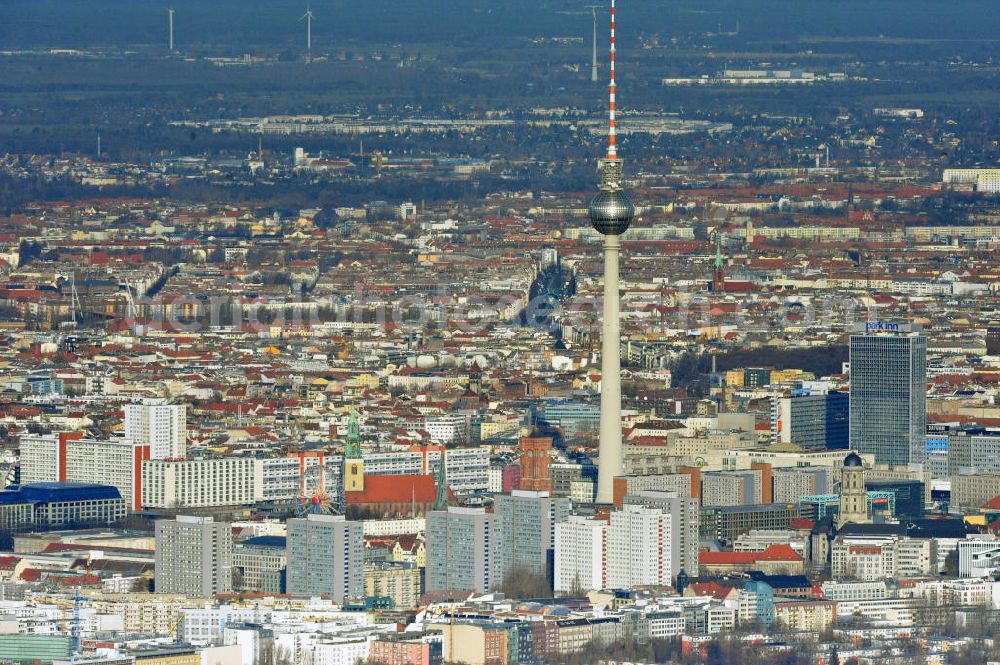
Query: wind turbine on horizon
[170, 23]
[593, 58]
[308, 18]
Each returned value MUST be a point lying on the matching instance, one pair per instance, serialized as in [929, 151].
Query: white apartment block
[163, 426]
[915, 557]
[580, 555]
[661, 482]
[467, 468]
[40, 458]
[988, 182]
[895, 612]
[494, 482]
[684, 525]
[731, 488]
[447, 428]
[287, 478]
[869, 560]
[203, 483]
[849, 590]
[978, 555]
[582, 491]
[394, 527]
[664, 625]
[639, 539]
[346, 650]
[58, 458]
[758, 540]
[882, 557]
[719, 618]
[282, 477]
[968, 176]
[952, 593]
[205, 625]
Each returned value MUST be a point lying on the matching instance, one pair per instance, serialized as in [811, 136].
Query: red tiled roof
[394, 489]
[726, 558]
[992, 504]
[408, 543]
[713, 589]
[379, 542]
[781, 552]
[82, 579]
[773, 553]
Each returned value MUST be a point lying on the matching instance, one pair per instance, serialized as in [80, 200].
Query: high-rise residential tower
[639, 547]
[194, 556]
[163, 426]
[685, 521]
[526, 528]
[888, 401]
[461, 550]
[325, 557]
[611, 212]
[581, 555]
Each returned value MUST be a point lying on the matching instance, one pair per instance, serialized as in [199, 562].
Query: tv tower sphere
[611, 212]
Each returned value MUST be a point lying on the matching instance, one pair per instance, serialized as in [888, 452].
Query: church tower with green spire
[354, 471]
[353, 448]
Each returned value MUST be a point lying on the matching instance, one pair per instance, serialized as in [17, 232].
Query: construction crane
[76, 624]
[73, 632]
[176, 624]
[451, 637]
[7, 473]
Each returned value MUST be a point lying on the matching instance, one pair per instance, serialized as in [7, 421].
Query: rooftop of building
[52, 492]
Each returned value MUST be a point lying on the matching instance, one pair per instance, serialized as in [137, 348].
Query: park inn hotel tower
[888, 402]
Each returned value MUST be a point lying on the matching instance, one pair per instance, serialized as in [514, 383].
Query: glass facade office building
[812, 422]
[889, 393]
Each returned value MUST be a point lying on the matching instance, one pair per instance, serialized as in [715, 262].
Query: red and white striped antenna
[612, 150]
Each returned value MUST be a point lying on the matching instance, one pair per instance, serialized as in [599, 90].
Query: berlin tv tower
[611, 212]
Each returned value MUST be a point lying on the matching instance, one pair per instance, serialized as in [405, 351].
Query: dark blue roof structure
[35, 493]
[267, 541]
[781, 582]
